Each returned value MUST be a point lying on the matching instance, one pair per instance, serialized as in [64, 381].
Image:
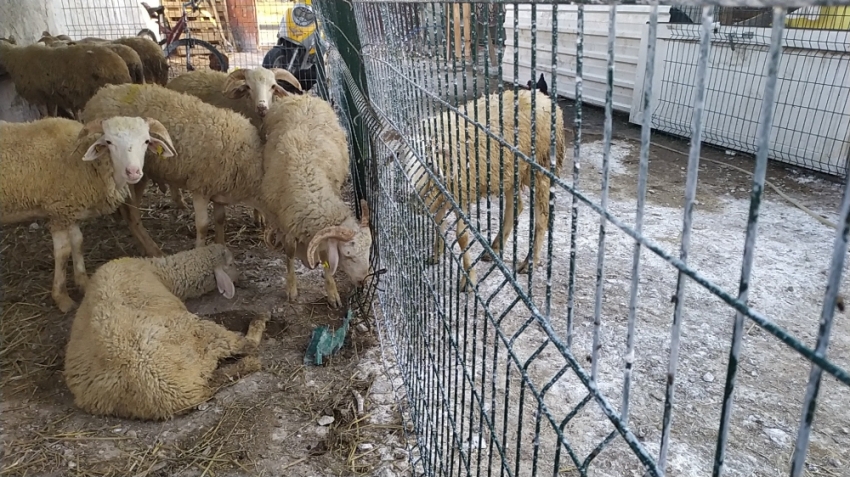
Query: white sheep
[60, 170]
[249, 92]
[136, 352]
[456, 166]
[220, 154]
[306, 164]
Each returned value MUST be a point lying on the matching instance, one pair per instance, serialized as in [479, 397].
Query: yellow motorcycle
[299, 44]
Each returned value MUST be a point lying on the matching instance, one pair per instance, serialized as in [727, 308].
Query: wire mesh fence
[532, 270]
[811, 117]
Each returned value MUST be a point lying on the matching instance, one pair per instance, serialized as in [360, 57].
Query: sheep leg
[202, 219]
[81, 278]
[541, 221]
[506, 227]
[291, 281]
[247, 344]
[466, 284]
[439, 243]
[259, 218]
[61, 254]
[330, 285]
[177, 197]
[233, 372]
[220, 218]
[219, 342]
[132, 214]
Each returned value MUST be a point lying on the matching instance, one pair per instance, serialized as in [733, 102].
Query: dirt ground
[265, 424]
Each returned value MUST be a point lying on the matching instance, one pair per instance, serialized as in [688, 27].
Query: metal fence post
[342, 30]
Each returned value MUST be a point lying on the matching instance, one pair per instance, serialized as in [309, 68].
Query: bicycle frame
[172, 34]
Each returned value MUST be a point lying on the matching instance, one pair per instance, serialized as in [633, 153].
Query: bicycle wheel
[194, 47]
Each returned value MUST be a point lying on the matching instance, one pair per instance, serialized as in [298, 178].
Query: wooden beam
[462, 31]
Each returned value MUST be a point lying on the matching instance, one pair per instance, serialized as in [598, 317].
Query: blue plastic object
[325, 342]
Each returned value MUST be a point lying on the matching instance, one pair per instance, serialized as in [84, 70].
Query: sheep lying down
[135, 351]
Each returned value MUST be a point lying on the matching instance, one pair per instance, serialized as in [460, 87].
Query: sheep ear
[95, 150]
[224, 283]
[160, 139]
[281, 74]
[333, 255]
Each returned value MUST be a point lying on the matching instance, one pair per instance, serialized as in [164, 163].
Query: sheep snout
[262, 109]
[133, 174]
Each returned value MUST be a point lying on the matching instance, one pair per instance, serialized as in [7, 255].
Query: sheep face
[346, 248]
[260, 85]
[126, 140]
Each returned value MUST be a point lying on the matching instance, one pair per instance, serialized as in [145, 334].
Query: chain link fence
[650, 336]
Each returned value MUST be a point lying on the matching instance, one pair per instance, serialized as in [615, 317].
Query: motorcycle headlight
[303, 16]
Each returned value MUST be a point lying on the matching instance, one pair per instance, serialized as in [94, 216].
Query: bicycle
[171, 40]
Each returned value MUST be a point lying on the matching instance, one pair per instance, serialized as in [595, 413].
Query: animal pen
[686, 315]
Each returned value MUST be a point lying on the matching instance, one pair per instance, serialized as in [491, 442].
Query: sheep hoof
[292, 294]
[65, 303]
[523, 267]
[82, 282]
[465, 285]
[432, 260]
[486, 257]
[334, 300]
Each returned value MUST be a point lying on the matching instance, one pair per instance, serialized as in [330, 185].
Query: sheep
[136, 352]
[220, 154]
[154, 63]
[450, 165]
[45, 174]
[246, 91]
[306, 163]
[129, 55]
[61, 77]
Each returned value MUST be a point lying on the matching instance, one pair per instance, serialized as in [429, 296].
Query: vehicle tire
[192, 43]
[145, 33]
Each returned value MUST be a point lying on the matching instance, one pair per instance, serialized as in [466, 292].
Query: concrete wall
[24, 20]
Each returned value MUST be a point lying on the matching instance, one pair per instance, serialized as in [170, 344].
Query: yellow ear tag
[326, 264]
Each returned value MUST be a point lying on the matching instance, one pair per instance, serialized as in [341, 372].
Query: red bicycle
[171, 40]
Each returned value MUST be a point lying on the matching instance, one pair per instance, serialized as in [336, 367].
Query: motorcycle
[299, 44]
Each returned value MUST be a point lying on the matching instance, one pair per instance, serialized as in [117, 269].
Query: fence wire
[811, 112]
[569, 364]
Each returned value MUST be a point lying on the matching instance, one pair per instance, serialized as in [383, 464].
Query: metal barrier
[570, 365]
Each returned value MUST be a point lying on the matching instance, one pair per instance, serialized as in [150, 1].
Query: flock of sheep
[240, 138]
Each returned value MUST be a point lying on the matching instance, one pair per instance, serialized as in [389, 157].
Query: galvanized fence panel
[812, 106]
[570, 365]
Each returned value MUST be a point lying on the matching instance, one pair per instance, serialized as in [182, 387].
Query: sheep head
[260, 84]
[348, 246]
[125, 139]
